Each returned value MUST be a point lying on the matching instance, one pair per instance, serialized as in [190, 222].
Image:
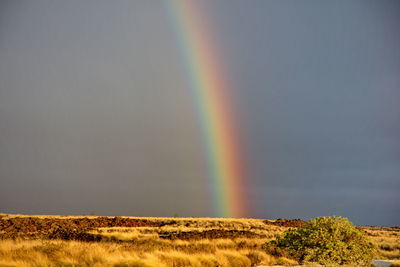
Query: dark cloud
[96, 117]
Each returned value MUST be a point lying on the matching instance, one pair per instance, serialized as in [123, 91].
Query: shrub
[325, 240]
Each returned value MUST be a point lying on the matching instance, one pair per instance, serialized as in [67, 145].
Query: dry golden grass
[75, 253]
[143, 246]
[386, 240]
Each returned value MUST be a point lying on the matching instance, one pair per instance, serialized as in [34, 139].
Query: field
[132, 241]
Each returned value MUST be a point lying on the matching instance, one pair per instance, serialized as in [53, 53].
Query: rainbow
[212, 97]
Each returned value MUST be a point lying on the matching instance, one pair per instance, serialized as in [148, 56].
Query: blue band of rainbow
[210, 90]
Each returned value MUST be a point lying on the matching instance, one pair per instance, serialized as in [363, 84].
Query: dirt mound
[50, 227]
[78, 228]
[209, 234]
[287, 222]
[74, 234]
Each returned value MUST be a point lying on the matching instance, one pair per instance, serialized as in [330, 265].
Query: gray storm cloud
[96, 115]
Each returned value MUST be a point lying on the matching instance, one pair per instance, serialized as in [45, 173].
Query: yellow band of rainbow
[203, 67]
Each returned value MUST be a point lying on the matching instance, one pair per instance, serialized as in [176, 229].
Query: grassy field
[131, 241]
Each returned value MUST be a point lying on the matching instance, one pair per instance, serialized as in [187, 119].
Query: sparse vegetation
[325, 240]
[386, 241]
[149, 242]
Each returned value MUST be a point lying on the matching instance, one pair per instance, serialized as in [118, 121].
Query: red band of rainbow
[212, 96]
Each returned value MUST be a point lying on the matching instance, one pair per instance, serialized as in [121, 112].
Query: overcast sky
[96, 115]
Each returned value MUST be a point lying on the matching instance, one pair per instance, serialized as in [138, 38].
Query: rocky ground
[78, 228]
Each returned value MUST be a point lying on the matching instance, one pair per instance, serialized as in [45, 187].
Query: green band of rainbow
[203, 67]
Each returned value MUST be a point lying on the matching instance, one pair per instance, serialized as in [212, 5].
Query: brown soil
[69, 229]
[287, 222]
[78, 228]
[209, 234]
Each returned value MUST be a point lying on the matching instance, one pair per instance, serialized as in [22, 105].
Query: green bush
[325, 240]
